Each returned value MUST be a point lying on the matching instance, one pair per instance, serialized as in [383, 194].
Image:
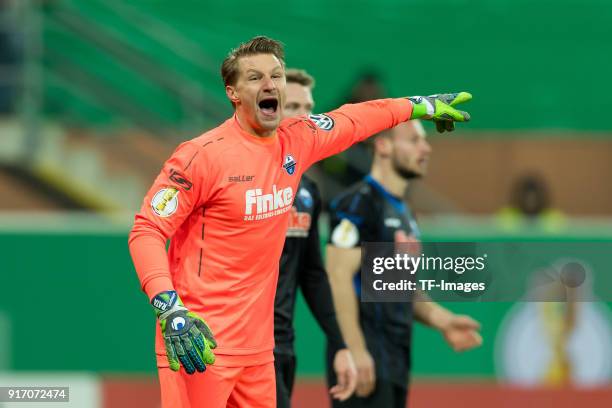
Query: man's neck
[390, 180]
[244, 124]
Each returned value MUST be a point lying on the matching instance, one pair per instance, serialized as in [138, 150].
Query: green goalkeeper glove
[440, 109]
[189, 341]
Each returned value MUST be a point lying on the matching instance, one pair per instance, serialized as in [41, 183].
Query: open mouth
[268, 106]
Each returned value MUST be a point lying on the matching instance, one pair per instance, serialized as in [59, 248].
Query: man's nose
[269, 84]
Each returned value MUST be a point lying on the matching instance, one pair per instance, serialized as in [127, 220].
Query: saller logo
[260, 206]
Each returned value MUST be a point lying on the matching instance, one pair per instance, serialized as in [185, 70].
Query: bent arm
[168, 203]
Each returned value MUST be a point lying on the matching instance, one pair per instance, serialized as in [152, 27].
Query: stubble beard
[403, 172]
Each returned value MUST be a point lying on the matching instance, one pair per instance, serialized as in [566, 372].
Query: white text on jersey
[267, 205]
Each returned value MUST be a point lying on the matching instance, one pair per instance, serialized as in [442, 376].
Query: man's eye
[253, 78]
[276, 76]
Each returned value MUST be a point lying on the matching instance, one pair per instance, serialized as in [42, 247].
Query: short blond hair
[255, 46]
[299, 76]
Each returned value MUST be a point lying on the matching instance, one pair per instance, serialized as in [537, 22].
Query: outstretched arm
[337, 130]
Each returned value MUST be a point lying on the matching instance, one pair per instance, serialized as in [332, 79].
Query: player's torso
[390, 220]
[388, 325]
[254, 186]
[235, 238]
[225, 256]
[394, 222]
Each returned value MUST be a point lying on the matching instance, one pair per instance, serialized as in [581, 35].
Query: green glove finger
[203, 345]
[209, 356]
[171, 355]
[466, 116]
[453, 99]
[449, 126]
[452, 114]
[206, 353]
[444, 125]
[444, 111]
[183, 355]
[462, 98]
[193, 352]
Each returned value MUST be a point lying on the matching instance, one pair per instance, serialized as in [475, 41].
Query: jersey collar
[264, 141]
[394, 200]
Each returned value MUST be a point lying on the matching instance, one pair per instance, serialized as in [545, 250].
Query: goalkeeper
[224, 199]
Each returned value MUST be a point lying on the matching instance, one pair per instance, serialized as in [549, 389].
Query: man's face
[409, 150]
[259, 91]
[298, 100]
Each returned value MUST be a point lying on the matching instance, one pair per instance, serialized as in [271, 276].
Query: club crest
[289, 164]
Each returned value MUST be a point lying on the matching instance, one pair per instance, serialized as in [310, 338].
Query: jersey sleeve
[180, 188]
[351, 218]
[337, 130]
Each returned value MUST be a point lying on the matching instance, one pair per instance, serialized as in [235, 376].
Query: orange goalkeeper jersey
[223, 199]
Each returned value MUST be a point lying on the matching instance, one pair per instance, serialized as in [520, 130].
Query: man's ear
[383, 146]
[231, 93]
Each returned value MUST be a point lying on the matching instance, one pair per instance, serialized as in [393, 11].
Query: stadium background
[95, 94]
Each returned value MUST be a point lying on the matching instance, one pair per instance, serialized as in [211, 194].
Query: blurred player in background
[301, 265]
[378, 334]
[225, 198]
